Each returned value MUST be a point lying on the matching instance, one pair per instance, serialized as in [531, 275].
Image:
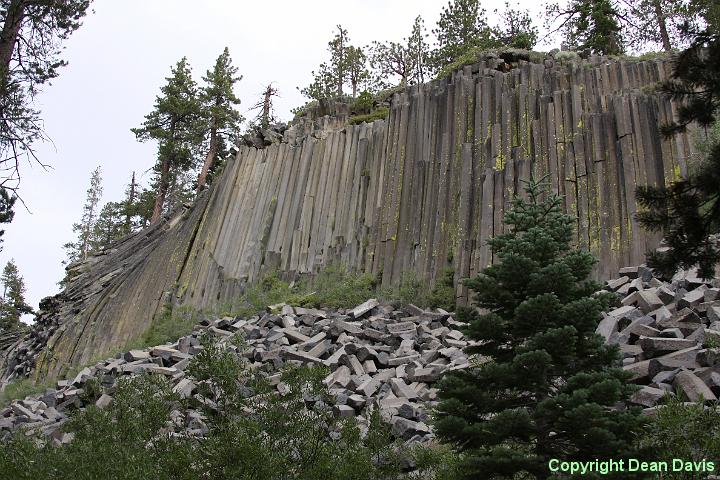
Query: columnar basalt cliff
[421, 191]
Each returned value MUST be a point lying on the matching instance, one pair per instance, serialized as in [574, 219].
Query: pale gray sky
[118, 60]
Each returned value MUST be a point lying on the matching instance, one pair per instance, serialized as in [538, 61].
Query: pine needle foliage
[548, 387]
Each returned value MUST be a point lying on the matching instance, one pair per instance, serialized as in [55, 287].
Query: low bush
[379, 114]
[21, 389]
[251, 432]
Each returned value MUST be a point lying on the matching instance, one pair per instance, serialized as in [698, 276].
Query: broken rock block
[648, 396]
[693, 387]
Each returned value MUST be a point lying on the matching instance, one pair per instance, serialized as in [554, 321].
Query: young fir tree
[219, 105]
[12, 303]
[550, 386]
[176, 123]
[82, 246]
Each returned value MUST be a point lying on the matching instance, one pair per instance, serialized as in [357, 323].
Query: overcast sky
[118, 60]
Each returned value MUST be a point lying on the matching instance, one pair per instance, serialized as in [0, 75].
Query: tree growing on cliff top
[219, 106]
[405, 61]
[462, 27]
[687, 212]
[176, 123]
[12, 303]
[82, 246]
[548, 389]
[347, 67]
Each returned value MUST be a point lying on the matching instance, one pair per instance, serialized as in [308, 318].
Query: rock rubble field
[376, 355]
[668, 334]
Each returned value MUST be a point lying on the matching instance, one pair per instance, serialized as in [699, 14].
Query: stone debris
[667, 333]
[378, 357]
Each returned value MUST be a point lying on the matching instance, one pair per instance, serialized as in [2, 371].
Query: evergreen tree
[357, 72]
[461, 28]
[12, 303]
[7, 201]
[549, 389]
[347, 66]
[419, 52]
[176, 123]
[688, 211]
[406, 62]
[219, 105]
[592, 25]
[391, 60]
[82, 246]
[30, 46]
[110, 226]
[517, 29]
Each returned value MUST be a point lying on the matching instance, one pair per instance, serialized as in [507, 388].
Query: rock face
[667, 335]
[378, 357]
[421, 191]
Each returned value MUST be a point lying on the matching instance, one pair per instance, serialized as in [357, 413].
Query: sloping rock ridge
[418, 192]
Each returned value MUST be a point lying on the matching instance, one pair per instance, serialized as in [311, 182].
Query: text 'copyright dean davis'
[605, 467]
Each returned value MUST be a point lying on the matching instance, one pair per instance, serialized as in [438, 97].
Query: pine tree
[12, 302]
[517, 29]
[549, 389]
[219, 105]
[7, 201]
[176, 123]
[461, 28]
[419, 52]
[111, 226]
[402, 63]
[347, 66]
[592, 25]
[30, 46]
[687, 212]
[82, 246]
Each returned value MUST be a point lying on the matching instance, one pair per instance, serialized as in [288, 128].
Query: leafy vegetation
[290, 436]
[378, 114]
[171, 324]
[685, 431]
[21, 389]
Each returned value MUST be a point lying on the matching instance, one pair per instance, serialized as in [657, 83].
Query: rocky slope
[378, 358]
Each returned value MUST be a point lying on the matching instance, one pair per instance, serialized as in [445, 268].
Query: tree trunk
[131, 200]
[266, 106]
[663, 26]
[9, 36]
[209, 160]
[162, 191]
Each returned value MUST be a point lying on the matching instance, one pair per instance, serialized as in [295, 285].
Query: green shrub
[336, 287]
[687, 431]
[171, 324]
[364, 103]
[21, 389]
[442, 294]
[255, 434]
[379, 114]
[409, 290]
[268, 290]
